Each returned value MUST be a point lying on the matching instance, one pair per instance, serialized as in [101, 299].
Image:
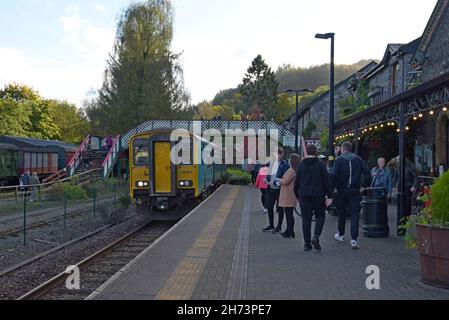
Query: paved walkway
[220, 252]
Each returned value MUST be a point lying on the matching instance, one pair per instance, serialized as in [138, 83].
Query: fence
[58, 206]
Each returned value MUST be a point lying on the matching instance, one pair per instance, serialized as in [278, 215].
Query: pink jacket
[261, 176]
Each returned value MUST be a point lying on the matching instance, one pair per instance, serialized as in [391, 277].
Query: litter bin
[375, 213]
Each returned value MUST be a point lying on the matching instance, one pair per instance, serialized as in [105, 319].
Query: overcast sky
[60, 47]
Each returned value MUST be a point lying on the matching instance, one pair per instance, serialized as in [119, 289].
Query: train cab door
[162, 167]
[162, 171]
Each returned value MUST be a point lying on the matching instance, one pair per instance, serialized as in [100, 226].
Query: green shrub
[237, 172]
[54, 193]
[239, 180]
[440, 201]
[74, 192]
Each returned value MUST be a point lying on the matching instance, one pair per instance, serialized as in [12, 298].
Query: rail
[58, 175]
[75, 160]
[16, 190]
[111, 157]
[221, 125]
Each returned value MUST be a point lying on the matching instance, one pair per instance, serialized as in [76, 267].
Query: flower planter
[433, 248]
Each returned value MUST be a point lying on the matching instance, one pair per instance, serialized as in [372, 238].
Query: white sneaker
[355, 244]
[265, 211]
[339, 238]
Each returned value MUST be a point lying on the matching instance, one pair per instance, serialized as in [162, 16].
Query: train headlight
[185, 183]
[141, 184]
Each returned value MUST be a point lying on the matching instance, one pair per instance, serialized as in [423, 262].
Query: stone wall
[437, 54]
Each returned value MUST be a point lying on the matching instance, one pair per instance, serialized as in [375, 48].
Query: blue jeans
[351, 198]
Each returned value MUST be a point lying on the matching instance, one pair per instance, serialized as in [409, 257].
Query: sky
[60, 47]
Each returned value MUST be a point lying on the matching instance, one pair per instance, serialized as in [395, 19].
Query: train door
[162, 171]
[162, 167]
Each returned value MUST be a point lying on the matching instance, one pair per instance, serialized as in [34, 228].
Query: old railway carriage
[158, 184]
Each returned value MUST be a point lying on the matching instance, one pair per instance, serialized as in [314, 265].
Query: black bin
[375, 213]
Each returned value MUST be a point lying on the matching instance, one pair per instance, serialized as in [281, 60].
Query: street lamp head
[298, 90]
[324, 35]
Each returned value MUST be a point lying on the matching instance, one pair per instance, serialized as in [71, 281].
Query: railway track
[100, 266]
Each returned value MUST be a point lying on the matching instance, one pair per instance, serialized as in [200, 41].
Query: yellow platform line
[182, 282]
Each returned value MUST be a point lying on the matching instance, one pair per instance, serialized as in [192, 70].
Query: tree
[324, 139]
[31, 105]
[259, 88]
[15, 118]
[285, 107]
[204, 110]
[143, 80]
[72, 122]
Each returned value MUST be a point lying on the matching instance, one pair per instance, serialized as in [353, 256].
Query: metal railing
[75, 160]
[52, 206]
[220, 125]
[111, 157]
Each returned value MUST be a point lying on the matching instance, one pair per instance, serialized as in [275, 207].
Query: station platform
[219, 252]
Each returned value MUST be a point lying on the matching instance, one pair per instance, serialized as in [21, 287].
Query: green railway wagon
[9, 162]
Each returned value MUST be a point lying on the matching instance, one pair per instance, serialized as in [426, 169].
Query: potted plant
[431, 235]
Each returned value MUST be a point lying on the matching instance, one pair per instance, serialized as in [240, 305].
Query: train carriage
[19, 154]
[156, 183]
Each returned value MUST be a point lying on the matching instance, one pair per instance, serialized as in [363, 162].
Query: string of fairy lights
[380, 126]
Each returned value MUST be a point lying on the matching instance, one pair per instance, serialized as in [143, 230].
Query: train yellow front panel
[162, 167]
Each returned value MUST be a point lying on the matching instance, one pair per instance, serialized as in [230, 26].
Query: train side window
[141, 152]
[27, 157]
[185, 144]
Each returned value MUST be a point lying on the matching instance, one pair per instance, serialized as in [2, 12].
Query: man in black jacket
[347, 174]
[312, 184]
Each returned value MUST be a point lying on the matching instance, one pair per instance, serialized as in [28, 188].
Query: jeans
[272, 197]
[312, 206]
[290, 220]
[263, 197]
[353, 199]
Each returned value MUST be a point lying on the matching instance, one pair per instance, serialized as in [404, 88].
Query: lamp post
[331, 93]
[296, 114]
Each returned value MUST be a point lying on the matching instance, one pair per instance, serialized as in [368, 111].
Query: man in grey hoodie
[347, 173]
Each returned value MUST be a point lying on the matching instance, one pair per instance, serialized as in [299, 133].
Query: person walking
[287, 198]
[347, 173]
[255, 171]
[411, 186]
[262, 186]
[277, 168]
[26, 184]
[381, 177]
[109, 142]
[312, 185]
[34, 183]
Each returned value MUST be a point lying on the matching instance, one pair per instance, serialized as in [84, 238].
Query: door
[162, 170]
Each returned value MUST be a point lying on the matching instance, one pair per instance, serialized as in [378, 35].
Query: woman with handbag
[287, 198]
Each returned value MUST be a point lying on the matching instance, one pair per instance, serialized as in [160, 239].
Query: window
[39, 160]
[141, 152]
[33, 160]
[27, 157]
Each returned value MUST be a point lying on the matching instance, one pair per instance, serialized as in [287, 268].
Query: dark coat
[312, 179]
[348, 170]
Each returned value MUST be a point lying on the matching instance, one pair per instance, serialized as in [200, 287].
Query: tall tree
[40, 123]
[143, 79]
[72, 122]
[259, 88]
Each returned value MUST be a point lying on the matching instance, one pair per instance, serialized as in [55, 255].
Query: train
[156, 183]
[18, 155]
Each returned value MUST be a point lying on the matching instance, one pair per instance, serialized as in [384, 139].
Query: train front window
[141, 153]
